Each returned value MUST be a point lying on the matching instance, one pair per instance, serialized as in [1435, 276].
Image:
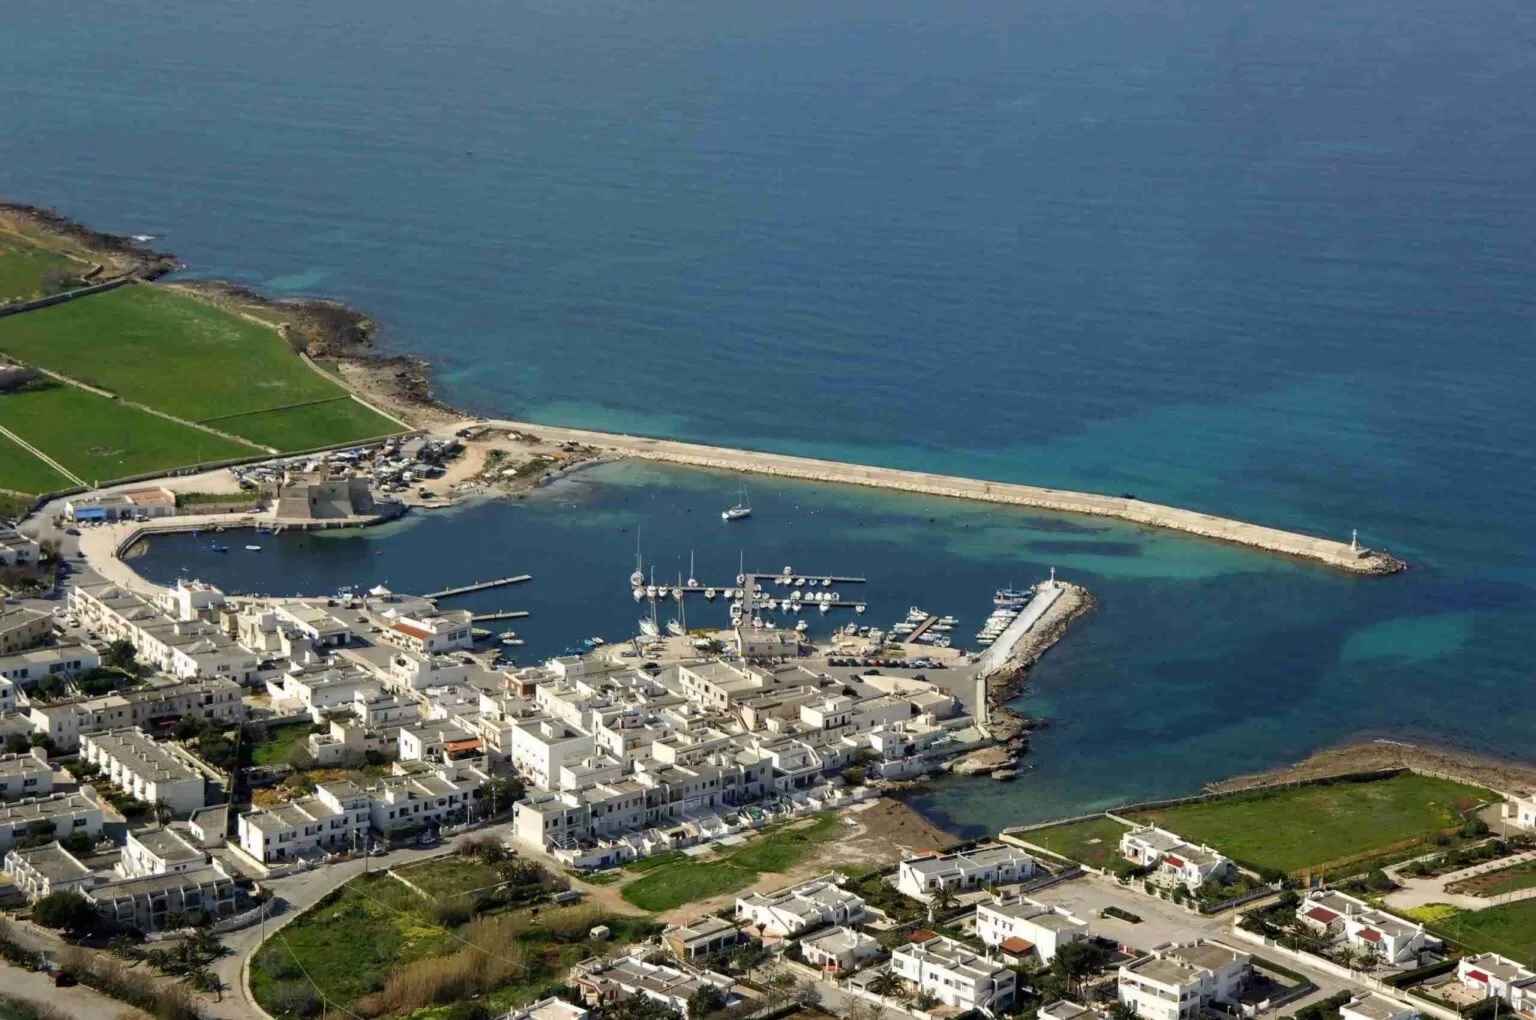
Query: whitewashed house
[955, 975]
[1027, 930]
[1174, 858]
[963, 871]
[1177, 982]
[791, 911]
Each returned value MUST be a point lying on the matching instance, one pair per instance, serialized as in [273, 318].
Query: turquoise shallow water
[1273, 261]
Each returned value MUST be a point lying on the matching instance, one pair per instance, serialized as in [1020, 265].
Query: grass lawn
[348, 946]
[23, 266]
[283, 745]
[375, 928]
[1509, 929]
[1095, 842]
[450, 877]
[1494, 883]
[339, 420]
[677, 882]
[166, 350]
[100, 439]
[1308, 827]
[651, 863]
[22, 472]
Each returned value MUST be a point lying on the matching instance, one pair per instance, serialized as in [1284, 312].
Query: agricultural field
[26, 269]
[1319, 826]
[100, 439]
[1509, 929]
[326, 423]
[376, 947]
[676, 882]
[22, 472]
[187, 358]
[1093, 841]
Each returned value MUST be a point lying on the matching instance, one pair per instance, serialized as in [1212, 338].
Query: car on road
[72, 531]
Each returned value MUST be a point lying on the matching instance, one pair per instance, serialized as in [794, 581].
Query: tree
[1076, 961]
[1123, 1011]
[205, 980]
[885, 984]
[163, 812]
[498, 793]
[66, 911]
[708, 999]
[17, 743]
[121, 654]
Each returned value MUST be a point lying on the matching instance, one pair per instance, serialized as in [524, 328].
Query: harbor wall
[1340, 555]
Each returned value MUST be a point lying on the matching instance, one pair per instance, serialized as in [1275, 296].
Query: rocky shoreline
[1010, 728]
[115, 254]
[1383, 754]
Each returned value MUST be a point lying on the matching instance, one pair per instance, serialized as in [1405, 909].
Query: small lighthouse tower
[1354, 539]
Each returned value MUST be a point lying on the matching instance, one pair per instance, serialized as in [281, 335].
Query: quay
[996, 657]
[1340, 555]
[507, 614]
[922, 629]
[465, 589]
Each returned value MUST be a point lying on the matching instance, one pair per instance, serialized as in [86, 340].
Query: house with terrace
[1179, 982]
[1173, 859]
[1026, 930]
[955, 974]
[1383, 938]
[991, 864]
[814, 904]
[1488, 974]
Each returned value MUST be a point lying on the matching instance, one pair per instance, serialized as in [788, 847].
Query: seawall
[1339, 555]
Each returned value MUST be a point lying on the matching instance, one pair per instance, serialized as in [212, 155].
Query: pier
[506, 614]
[998, 653]
[922, 629]
[465, 589]
[1347, 556]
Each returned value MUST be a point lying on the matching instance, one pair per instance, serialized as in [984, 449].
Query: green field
[23, 267]
[100, 439]
[376, 948]
[1510, 929]
[450, 877]
[687, 881]
[285, 744]
[1311, 827]
[1094, 841]
[328, 423]
[22, 472]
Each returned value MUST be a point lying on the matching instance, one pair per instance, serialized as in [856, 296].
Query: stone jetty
[1339, 555]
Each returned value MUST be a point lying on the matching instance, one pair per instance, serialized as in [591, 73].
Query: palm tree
[942, 901]
[885, 984]
[205, 980]
[163, 812]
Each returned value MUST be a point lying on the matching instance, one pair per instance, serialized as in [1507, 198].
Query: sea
[1269, 260]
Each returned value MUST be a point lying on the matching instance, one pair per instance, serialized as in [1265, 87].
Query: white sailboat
[742, 509]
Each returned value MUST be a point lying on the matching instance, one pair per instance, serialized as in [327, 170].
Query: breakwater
[1340, 555]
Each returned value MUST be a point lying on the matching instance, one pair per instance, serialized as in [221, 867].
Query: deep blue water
[1270, 259]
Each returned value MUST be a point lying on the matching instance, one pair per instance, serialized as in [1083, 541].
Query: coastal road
[1340, 555]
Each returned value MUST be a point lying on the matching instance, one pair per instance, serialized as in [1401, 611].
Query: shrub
[294, 998]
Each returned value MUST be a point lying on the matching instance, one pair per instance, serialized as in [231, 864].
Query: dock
[922, 629]
[1349, 556]
[465, 589]
[506, 614]
[998, 653]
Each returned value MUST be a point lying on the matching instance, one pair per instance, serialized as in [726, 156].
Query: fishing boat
[741, 510]
[639, 594]
[507, 636]
[648, 628]
[801, 627]
[253, 548]
[709, 593]
[216, 547]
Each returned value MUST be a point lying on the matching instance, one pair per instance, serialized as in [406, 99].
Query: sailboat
[742, 509]
[693, 579]
[648, 626]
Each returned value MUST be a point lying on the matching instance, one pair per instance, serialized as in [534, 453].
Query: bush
[66, 911]
[294, 998]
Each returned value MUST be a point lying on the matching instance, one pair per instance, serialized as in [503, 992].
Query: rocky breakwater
[1340, 555]
[1005, 681]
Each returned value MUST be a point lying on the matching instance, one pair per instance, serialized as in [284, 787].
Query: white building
[16, 549]
[170, 636]
[145, 769]
[1027, 929]
[986, 865]
[1174, 858]
[541, 746]
[620, 978]
[1489, 974]
[154, 901]
[153, 709]
[701, 938]
[28, 667]
[1365, 1006]
[47, 869]
[954, 974]
[25, 775]
[800, 908]
[1520, 810]
[158, 852]
[839, 950]
[426, 798]
[1174, 983]
[334, 818]
[548, 1009]
[66, 813]
[1387, 939]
